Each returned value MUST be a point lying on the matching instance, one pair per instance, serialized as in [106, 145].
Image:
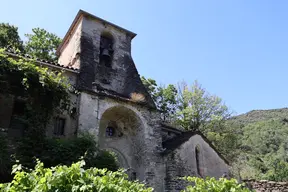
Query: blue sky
[236, 49]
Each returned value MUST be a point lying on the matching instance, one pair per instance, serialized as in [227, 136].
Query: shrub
[5, 161]
[73, 178]
[214, 185]
[55, 151]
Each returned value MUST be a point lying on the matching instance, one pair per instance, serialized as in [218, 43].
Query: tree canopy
[40, 43]
[9, 37]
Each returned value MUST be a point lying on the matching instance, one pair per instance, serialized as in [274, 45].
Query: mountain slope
[261, 115]
[263, 136]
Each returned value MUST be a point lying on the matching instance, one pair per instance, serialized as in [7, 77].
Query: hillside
[261, 115]
[263, 148]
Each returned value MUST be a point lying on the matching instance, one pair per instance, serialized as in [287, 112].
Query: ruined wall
[142, 155]
[267, 186]
[70, 51]
[182, 162]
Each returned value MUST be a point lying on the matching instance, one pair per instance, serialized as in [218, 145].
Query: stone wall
[267, 186]
[140, 151]
[69, 55]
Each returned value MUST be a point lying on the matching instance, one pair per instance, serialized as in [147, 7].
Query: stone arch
[122, 118]
[130, 144]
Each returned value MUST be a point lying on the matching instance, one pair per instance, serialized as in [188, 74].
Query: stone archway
[121, 131]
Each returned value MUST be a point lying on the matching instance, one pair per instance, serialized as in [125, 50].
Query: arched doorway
[121, 131]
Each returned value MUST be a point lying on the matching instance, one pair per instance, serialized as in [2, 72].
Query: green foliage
[43, 90]
[55, 151]
[9, 37]
[264, 148]
[165, 97]
[73, 178]
[42, 44]
[198, 109]
[213, 185]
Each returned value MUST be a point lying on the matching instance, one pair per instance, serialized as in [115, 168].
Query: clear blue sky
[237, 49]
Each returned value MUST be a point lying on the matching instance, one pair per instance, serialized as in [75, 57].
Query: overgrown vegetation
[214, 185]
[45, 94]
[70, 178]
[43, 91]
[264, 145]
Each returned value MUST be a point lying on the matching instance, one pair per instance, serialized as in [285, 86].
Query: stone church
[114, 105]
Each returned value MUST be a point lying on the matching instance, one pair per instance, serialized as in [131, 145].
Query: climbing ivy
[43, 90]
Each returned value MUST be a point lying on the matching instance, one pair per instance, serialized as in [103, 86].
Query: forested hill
[261, 115]
[263, 144]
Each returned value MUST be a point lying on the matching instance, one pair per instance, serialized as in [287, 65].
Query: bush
[73, 178]
[214, 185]
[55, 151]
[5, 161]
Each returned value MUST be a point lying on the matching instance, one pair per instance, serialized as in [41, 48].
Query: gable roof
[175, 142]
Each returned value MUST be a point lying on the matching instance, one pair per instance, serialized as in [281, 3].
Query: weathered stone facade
[267, 186]
[115, 107]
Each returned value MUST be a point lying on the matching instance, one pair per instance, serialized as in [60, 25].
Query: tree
[42, 44]
[150, 85]
[165, 97]
[197, 109]
[9, 37]
[166, 101]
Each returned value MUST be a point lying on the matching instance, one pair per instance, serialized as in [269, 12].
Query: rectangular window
[59, 126]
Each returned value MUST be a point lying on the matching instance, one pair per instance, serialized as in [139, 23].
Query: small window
[110, 131]
[59, 126]
[197, 157]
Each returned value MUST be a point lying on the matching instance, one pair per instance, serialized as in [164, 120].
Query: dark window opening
[19, 108]
[59, 126]
[18, 123]
[110, 131]
[197, 156]
[106, 51]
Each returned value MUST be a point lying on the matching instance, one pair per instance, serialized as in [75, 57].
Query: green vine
[43, 90]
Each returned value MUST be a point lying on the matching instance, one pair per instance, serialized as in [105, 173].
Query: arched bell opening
[106, 49]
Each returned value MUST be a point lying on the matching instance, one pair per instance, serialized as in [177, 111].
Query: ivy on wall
[44, 91]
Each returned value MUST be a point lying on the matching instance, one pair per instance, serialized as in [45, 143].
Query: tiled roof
[41, 61]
